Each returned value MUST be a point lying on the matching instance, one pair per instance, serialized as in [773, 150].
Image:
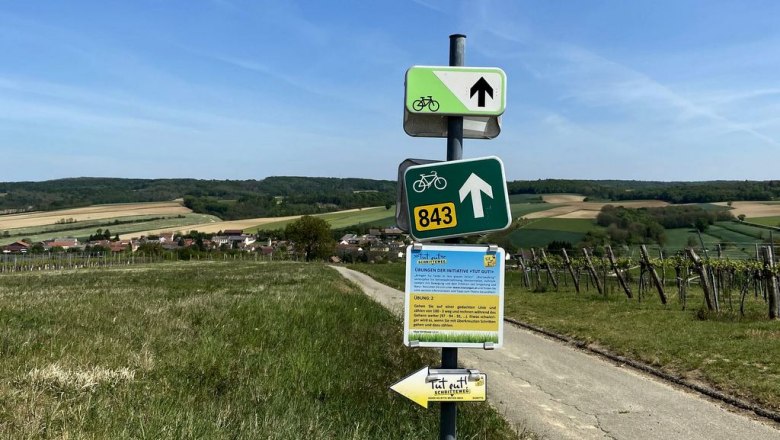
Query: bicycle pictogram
[428, 180]
[432, 104]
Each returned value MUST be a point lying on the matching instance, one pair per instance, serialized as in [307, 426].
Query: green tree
[701, 225]
[311, 236]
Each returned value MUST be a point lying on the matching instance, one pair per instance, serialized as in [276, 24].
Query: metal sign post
[449, 355]
[454, 293]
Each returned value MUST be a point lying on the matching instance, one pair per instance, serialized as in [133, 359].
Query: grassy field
[522, 209]
[735, 354]
[377, 216]
[563, 224]
[766, 221]
[540, 232]
[208, 350]
[525, 198]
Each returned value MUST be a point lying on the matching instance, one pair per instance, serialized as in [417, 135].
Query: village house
[240, 241]
[65, 243]
[18, 247]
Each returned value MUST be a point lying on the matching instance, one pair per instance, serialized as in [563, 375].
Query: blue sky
[229, 89]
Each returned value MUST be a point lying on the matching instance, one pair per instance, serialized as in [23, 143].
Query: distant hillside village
[350, 247]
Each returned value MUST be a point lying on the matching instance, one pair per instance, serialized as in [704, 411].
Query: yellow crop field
[753, 209]
[95, 212]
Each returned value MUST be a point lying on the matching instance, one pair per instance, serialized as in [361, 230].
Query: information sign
[454, 296]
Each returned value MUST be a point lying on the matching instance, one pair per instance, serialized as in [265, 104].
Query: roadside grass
[740, 355]
[377, 216]
[83, 229]
[208, 350]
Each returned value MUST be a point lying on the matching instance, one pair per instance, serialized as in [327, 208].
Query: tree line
[228, 199]
[284, 195]
[672, 192]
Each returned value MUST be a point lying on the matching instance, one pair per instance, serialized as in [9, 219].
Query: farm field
[740, 355]
[378, 215]
[519, 210]
[766, 221]
[209, 350]
[212, 227]
[753, 209]
[589, 210]
[95, 212]
[127, 226]
[540, 232]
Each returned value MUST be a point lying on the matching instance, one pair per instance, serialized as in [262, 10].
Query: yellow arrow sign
[426, 385]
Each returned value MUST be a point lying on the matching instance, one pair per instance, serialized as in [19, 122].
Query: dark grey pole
[449, 356]
[455, 123]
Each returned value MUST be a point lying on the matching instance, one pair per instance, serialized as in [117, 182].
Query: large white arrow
[474, 185]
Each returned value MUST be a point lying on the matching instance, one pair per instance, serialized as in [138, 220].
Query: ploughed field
[208, 350]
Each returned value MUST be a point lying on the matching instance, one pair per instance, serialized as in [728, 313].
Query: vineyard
[724, 282]
[84, 260]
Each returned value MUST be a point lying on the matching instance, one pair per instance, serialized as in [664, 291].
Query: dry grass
[95, 212]
[56, 376]
[753, 209]
[562, 198]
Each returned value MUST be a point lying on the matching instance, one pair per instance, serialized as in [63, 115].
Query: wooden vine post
[698, 265]
[535, 262]
[771, 282]
[568, 264]
[618, 273]
[593, 273]
[521, 263]
[653, 274]
[550, 272]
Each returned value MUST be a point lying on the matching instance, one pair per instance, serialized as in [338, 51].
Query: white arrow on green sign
[457, 198]
[456, 91]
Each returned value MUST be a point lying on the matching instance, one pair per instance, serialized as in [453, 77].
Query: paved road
[560, 392]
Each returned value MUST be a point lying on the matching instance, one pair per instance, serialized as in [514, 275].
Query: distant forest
[279, 196]
[227, 199]
[672, 192]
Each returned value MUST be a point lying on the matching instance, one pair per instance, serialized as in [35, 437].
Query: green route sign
[456, 91]
[457, 198]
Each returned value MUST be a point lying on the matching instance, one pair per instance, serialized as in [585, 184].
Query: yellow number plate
[430, 217]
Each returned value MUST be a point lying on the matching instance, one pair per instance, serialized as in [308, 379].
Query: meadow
[734, 353]
[209, 350]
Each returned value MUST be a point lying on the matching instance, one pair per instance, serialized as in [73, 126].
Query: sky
[232, 89]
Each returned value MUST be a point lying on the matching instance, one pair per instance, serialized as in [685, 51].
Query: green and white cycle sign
[457, 198]
[456, 91]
